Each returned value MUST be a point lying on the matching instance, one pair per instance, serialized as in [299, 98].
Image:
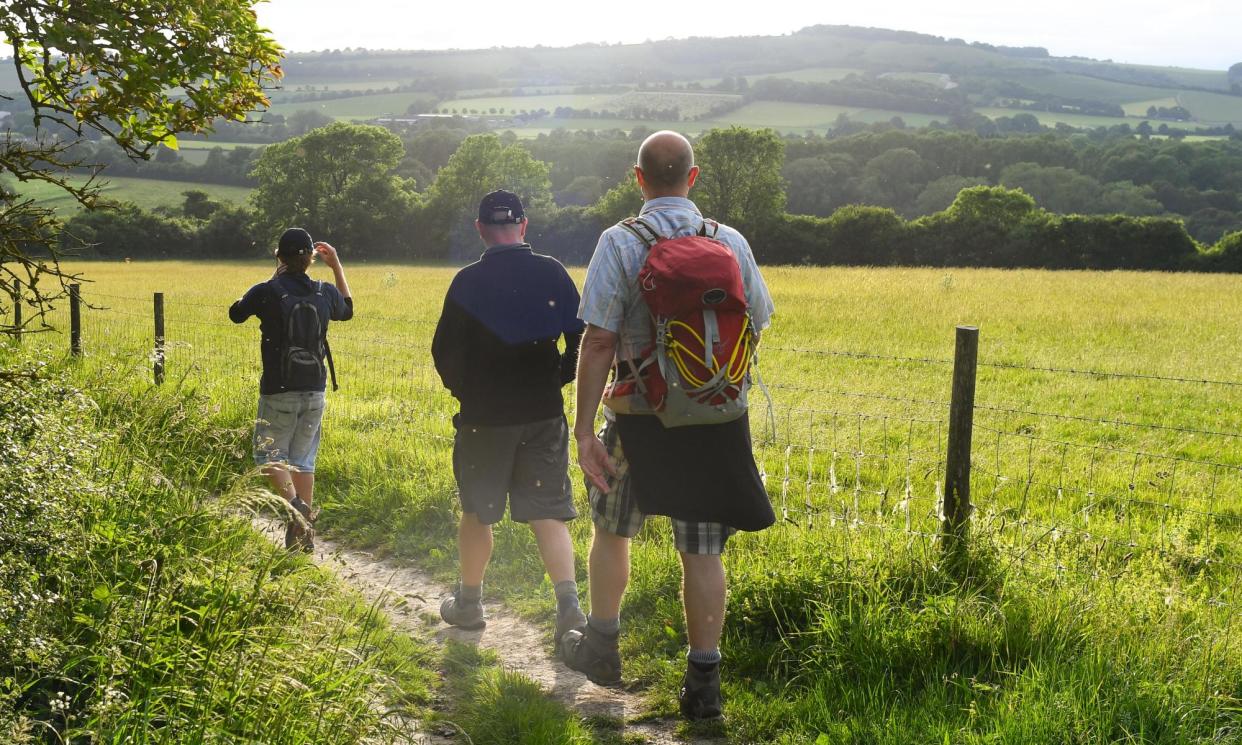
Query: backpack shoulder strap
[710, 228]
[281, 292]
[642, 230]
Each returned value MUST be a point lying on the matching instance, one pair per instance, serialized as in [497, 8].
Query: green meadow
[1098, 602]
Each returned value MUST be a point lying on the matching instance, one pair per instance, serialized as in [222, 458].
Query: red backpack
[697, 370]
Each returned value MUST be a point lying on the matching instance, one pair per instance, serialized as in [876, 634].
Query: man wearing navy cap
[291, 391]
[496, 349]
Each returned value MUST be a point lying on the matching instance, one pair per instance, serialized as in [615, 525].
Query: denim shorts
[286, 429]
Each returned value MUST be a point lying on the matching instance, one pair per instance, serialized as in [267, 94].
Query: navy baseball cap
[501, 207]
[295, 242]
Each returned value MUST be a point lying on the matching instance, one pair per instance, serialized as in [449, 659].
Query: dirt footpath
[408, 594]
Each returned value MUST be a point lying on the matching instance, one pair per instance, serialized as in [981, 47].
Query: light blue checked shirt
[610, 296]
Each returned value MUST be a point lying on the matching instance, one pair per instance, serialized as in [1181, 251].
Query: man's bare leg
[703, 592]
[555, 548]
[464, 608]
[557, 551]
[594, 651]
[610, 574]
[474, 549]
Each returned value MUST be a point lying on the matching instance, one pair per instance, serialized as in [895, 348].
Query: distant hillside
[797, 82]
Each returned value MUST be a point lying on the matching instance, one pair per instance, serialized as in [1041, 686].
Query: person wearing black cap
[496, 349]
[293, 312]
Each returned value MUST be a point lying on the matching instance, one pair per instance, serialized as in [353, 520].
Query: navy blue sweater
[495, 346]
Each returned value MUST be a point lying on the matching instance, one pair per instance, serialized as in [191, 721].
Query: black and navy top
[263, 301]
[495, 346]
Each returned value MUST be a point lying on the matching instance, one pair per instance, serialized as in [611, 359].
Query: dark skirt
[698, 473]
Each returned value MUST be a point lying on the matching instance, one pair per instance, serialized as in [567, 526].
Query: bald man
[636, 466]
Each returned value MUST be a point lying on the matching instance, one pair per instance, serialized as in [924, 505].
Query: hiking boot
[593, 654]
[464, 614]
[293, 535]
[568, 619]
[700, 692]
[297, 535]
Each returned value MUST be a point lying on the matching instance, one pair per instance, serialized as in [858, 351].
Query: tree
[339, 183]
[819, 185]
[135, 73]
[482, 163]
[1235, 77]
[894, 179]
[304, 120]
[740, 175]
[942, 192]
[621, 201]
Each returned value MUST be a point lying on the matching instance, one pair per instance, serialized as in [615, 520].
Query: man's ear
[694, 175]
[479, 227]
[638, 174]
[524, 223]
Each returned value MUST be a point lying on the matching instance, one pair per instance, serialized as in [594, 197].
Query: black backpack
[304, 338]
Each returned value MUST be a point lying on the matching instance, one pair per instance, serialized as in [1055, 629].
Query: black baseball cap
[501, 207]
[295, 242]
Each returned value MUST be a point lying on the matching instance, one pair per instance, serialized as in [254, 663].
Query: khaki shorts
[523, 465]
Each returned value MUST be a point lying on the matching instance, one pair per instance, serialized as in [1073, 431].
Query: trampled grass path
[411, 598]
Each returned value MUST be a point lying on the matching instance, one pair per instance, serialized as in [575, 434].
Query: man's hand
[595, 462]
[326, 252]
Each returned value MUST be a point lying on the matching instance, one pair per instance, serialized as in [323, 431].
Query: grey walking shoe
[593, 654]
[463, 614]
[568, 619]
[700, 692]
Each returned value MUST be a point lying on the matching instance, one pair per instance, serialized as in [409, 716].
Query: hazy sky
[1187, 33]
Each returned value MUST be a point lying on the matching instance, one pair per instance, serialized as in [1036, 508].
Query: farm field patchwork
[510, 104]
[1107, 520]
[146, 193]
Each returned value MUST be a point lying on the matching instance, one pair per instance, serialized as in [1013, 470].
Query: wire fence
[1082, 498]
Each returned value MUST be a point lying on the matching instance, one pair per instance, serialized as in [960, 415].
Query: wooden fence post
[956, 506]
[75, 320]
[17, 310]
[159, 338]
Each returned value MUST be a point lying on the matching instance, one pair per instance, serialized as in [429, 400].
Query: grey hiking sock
[608, 627]
[704, 659]
[469, 594]
[566, 594]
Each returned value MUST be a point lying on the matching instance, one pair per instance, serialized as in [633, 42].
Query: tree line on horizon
[344, 183]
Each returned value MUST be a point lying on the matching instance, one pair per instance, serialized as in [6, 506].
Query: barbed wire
[1005, 366]
[1113, 422]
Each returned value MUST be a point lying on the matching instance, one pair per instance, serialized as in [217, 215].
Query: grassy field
[1139, 108]
[1215, 108]
[1101, 599]
[1050, 119]
[355, 107]
[146, 193]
